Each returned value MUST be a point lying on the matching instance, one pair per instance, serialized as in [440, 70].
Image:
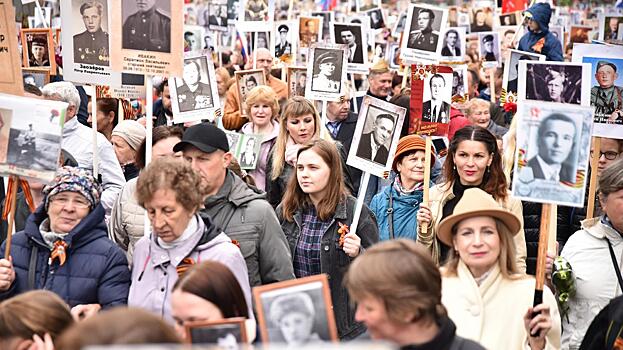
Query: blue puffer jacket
[95, 272]
[541, 13]
[405, 210]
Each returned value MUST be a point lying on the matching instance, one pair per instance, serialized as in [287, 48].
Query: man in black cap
[91, 46]
[237, 209]
[39, 53]
[283, 47]
[423, 38]
[487, 48]
[148, 29]
[607, 97]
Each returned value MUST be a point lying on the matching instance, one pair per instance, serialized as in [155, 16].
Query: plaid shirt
[307, 254]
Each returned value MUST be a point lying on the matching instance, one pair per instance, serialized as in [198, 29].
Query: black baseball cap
[205, 136]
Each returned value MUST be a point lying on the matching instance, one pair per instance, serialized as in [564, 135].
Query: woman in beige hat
[473, 160]
[126, 138]
[482, 289]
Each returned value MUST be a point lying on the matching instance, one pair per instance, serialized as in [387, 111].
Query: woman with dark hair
[126, 222]
[416, 320]
[473, 160]
[208, 291]
[107, 115]
[315, 214]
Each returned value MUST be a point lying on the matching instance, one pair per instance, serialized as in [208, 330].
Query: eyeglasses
[62, 201]
[610, 155]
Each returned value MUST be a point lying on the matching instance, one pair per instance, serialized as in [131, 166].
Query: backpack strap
[32, 267]
[390, 215]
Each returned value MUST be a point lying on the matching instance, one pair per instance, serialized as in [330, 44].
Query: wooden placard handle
[592, 187]
[427, 160]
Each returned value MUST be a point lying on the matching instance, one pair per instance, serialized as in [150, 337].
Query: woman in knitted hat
[126, 138]
[397, 205]
[485, 294]
[65, 248]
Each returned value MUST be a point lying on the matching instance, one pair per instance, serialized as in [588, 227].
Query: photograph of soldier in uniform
[352, 36]
[481, 20]
[376, 18]
[194, 92]
[607, 90]
[327, 18]
[256, 10]
[553, 83]
[374, 143]
[424, 29]
[91, 44]
[297, 79]
[489, 47]
[146, 25]
[37, 50]
[454, 43]
[327, 70]
[309, 30]
[437, 97]
[283, 45]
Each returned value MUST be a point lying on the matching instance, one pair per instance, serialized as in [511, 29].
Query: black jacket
[345, 137]
[334, 262]
[606, 328]
[446, 339]
[365, 150]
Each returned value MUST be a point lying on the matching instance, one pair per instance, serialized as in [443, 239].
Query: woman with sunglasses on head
[473, 160]
[316, 215]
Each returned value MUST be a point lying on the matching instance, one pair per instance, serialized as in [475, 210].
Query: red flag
[514, 5]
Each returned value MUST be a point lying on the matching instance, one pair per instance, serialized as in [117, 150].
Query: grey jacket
[333, 261]
[246, 217]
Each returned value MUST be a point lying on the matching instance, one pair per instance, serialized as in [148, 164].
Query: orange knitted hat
[412, 143]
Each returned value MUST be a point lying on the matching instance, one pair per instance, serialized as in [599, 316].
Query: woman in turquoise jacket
[397, 205]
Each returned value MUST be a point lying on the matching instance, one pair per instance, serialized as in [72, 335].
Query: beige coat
[127, 220]
[492, 313]
[440, 194]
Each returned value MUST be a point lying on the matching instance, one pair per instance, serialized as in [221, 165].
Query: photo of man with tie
[451, 44]
[436, 110]
[373, 146]
[351, 36]
[556, 137]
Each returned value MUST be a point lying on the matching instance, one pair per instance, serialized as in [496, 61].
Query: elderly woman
[473, 160]
[126, 138]
[172, 193]
[65, 248]
[484, 292]
[397, 206]
[477, 113]
[402, 305]
[294, 315]
[262, 109]
[594, 254]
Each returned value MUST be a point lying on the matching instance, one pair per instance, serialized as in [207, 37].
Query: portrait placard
[284, 41]
[215, 18]
[454, 40]
[393, 56]
[552, 152]
[145, 40]
[256, 15]
[227, 333]
[606, 92]
[580, 34]
[376, 136]
[353, 36]
[86, 43]
[508, 19]
[459, 82]
[431, 96]
[377, 19]
[297, 81]
[510, 79]
[195, 96]
[36, 76]
[281, 303]
[327, 72]
[609, 27]
[245, 81]
[399, 26]
[38, 49]
[246, 149]
[481, 20]
[327, 17]
[421, 41]
[309, 31]
[365, 5]
[562, 82]
[30, 136]
[193, 38]
[11, 77]
[489, 49]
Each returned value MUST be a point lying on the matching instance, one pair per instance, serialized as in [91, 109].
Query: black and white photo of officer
[451, 44]
[436, 110]
[39, 56]
[283, 47]
[423, 37]
[348, 35]
[91, 45]
[327, 71]
[147, 29]
[193, 94]
[488, 48]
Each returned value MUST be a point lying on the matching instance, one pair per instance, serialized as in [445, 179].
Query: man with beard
[607, 97]
[193, 94]
[163, 114]
[91, 46]
[148, 29]
[423, 38]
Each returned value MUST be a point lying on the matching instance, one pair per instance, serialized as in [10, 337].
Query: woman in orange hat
[397, 205]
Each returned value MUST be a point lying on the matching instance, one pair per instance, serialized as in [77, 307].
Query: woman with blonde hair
[262, 108]
[483, 290]
[477, 112]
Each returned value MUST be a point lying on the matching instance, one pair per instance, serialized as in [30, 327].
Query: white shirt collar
[549, 171]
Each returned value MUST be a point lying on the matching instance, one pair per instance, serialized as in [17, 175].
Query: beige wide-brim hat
[476, 202]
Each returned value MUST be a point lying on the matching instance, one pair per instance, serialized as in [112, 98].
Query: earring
[454, 167]
[488, 168]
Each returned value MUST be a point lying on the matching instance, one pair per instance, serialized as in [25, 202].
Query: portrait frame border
[25, 53]
[240, 321]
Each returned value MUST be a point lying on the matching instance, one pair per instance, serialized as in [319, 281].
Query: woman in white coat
[485, 295]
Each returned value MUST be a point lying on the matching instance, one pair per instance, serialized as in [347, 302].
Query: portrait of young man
[556, 137]
[351, 36]
[91, 45]
[39, 56]
[451, 44]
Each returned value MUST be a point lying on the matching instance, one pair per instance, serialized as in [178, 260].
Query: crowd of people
[137, 251]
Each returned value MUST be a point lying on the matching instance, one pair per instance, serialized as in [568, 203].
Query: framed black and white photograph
[376, 136]
[296, 78]
[327, 17]
[193, 38]
[609, 27]
[510, 79]
[34, 138]
[36, 76]
[421, 40]
[284, 41]
[326, 72]
[246, 80]
[259, 40]
[38, 49]
[454, 40]
[552, 152]
[256, 15]
[233, 9]
[195, 96]
[606, 86]
[296, 312]
[353, 36]
[209, 41]
[216, 15]
[459, 81]
[437, 97]
[365, 5]
[509, 19]
[42, 17]
[310, 31]
[489, 49]
[146, 25]
[399, 26]
[481, 20]
[393, 56]
[229, 333]
[377, 19]
[248, 152]
[562, 82]
[379, 52]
